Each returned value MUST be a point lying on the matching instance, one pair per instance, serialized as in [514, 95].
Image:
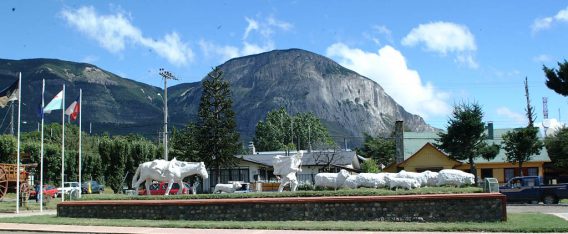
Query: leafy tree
[557, 147]
[217, 126]
[274, 133]
[309, 130]
[464, 139]
[7, 149]
[522, 144]
[370, 166]
[113, 159]
[557, 79]
[381, 150]
[280, 131]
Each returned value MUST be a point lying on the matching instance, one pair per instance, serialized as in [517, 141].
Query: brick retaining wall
[421, 208]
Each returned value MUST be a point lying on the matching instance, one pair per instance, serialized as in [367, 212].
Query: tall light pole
[166, 75]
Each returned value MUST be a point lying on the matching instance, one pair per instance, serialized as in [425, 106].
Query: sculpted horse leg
[293, 185]
[283, 183]
[147, 185]
[170, 183]
[181, 187]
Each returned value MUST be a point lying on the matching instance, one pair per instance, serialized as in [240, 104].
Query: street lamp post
[166, 75]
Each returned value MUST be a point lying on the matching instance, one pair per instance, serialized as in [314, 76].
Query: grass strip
[523, 222]
[311, 193]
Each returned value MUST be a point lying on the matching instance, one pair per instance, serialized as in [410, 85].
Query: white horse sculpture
[170, 171]
[286, 167]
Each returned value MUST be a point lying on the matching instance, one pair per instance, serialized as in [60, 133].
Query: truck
[531, 189]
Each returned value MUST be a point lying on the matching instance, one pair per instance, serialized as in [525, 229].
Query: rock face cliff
[347, 103]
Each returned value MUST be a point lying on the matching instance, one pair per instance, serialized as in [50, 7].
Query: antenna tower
[545, 107]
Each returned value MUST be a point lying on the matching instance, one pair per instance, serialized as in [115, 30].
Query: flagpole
[40, 194]
[18, 152]
[63, 146]
[80, 133]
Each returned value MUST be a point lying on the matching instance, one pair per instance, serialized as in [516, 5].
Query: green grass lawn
[525, 222]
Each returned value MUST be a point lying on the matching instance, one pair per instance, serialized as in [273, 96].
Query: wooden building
[420, 154]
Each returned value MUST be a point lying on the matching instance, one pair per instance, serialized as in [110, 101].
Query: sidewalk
[142, 230]
[28, 213]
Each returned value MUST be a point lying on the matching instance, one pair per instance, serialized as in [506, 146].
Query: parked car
[68, 187]
[48, 191]
[95, 187]
[161, 187]
[531, 189]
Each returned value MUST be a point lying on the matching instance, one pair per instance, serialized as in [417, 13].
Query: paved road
[546, 209]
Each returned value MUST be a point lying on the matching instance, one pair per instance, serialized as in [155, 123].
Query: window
[532, 171]
[486, 173]
[509, 173]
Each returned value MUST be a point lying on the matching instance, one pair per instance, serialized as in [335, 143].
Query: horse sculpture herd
[286, 167]
[172, 171]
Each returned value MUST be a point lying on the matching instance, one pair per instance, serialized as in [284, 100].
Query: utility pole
[12, 119]
[166, 75]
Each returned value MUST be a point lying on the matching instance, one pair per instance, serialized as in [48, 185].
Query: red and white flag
[73, 110]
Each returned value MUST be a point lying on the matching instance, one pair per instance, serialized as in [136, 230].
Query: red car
[160, 189]
[48, 190]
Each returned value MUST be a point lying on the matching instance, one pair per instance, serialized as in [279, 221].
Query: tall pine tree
[465, 137]
[523, 143]
[218, 137]
[557, 79]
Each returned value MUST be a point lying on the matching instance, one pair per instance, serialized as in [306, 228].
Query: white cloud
[444, 38]
[546, 22]
[279, 24]
[252, 25]
[113, 32]
[542, 58]
[378, 32]
[467, 59]
[553, 125]
[263, 29]
[513, 117]
[388, 68]
[441, 37]
[226, 52]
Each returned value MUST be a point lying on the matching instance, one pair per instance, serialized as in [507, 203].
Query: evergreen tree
[464, 139]
[218, 136]
[185, 145]
[380, 149]
[557, 79]
[522, 144]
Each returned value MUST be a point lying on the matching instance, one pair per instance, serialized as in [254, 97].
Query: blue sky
[428, 55]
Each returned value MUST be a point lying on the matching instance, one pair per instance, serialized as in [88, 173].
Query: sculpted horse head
[193, 168]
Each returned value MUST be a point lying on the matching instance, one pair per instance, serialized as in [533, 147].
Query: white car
[68, 187]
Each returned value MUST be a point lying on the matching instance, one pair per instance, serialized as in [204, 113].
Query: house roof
[428, 144]
[414, 141]
[338, 158]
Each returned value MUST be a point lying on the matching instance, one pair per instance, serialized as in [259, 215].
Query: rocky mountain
[111, 104]
[347, 103]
